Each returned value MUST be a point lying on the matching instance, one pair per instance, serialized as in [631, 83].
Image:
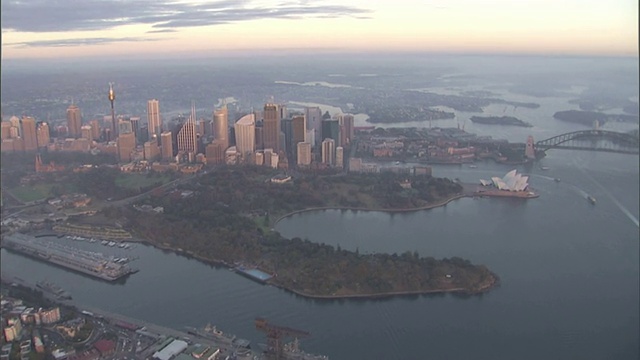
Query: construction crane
[275, 337]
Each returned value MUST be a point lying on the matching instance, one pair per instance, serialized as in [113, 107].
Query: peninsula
[227, 219]
[500, 120]
[589, 117]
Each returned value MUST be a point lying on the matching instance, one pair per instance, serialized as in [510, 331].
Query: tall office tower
[135, 126]
[151, 150]
[221, 126]
[6, 130]
[29, 133]
[286, 135]
[299, 128]
[202, 127]
[340, 157]
[259, 136]
[215, 152]
[245, 129]
[16, 127]
[271, 127]
[346, 122]
[42, 133]
[74, 122]
[284, 112]
[124, 127]
[114, 126]
[167, 146]
[328, 151]
[126, 145]
[95, 129]
[153, 119]
[314, 121]
[187, 137]
[331, 130]
[87, 132]
[304, 153]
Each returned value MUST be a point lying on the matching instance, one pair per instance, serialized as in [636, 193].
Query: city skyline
[39, 29]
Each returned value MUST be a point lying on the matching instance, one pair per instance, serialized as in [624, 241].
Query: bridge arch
[614, 141]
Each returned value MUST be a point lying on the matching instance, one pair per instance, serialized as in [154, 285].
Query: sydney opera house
[510, 182]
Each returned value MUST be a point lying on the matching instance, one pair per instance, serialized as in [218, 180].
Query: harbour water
[569, 270]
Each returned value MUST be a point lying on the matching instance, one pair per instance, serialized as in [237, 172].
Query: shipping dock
[253, 274]
[85, 262]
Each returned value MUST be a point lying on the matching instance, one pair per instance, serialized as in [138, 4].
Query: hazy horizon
[40, 29]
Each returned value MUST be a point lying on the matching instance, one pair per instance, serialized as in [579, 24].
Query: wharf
[253, 274]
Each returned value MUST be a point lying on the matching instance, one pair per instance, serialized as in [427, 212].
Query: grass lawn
[136, 181]
[32, 192]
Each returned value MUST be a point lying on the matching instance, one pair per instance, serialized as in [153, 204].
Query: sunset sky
[81, 28]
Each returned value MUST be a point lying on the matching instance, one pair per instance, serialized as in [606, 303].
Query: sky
[98, 28]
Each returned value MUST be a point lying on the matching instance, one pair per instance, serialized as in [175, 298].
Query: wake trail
[612, 198]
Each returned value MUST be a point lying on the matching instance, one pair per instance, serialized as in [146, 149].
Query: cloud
[161, 31]
[76, 42]
[88, 15]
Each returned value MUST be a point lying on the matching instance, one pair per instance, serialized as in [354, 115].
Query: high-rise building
[215, 152]
[331, 130]
[340, 157]
[87, 132]
[286, 135]
[126, 145]
[95, 129]
[6, 130]
[304, 153]
[29, 133]
[346, 122]
[221, 126]
[271, 127]
[245, 135]
[187, 137]
[124, 127]
[74, 121]
[151, 150]
[135, 126]
[153, 119]
[167, 146]
[299, 128]
[314, 121]
[42, 133]
[328, 151]
[530, 151]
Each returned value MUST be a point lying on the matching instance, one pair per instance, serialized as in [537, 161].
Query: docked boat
[53, 289]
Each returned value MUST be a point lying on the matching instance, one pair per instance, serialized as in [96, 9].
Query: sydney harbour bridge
[593, 140]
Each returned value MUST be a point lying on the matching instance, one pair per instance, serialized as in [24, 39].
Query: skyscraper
[245, 135]
[187, 138]
[151, 150]
[331, 130]
[126, 145]
[221, 126]
[153, 119]
[42, 131]
[271, 127]
[299, 129]
[304, 153]
[340, 157]
[87, 133]
[328, 151]
[95, 129]
[29, 133]
[167, 146]
[314, 121]
[74, 122]
[346, 122]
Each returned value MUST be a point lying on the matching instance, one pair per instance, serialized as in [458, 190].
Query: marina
[87, 262]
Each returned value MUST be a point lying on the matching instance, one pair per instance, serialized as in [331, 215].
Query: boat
[53, 289]
[212, 333]
[591, 199]
[473, 166]
[112, 243]
[556, 180]
[545, 168]
[104, 242]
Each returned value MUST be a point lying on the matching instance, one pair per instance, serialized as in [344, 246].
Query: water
[569, 270]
